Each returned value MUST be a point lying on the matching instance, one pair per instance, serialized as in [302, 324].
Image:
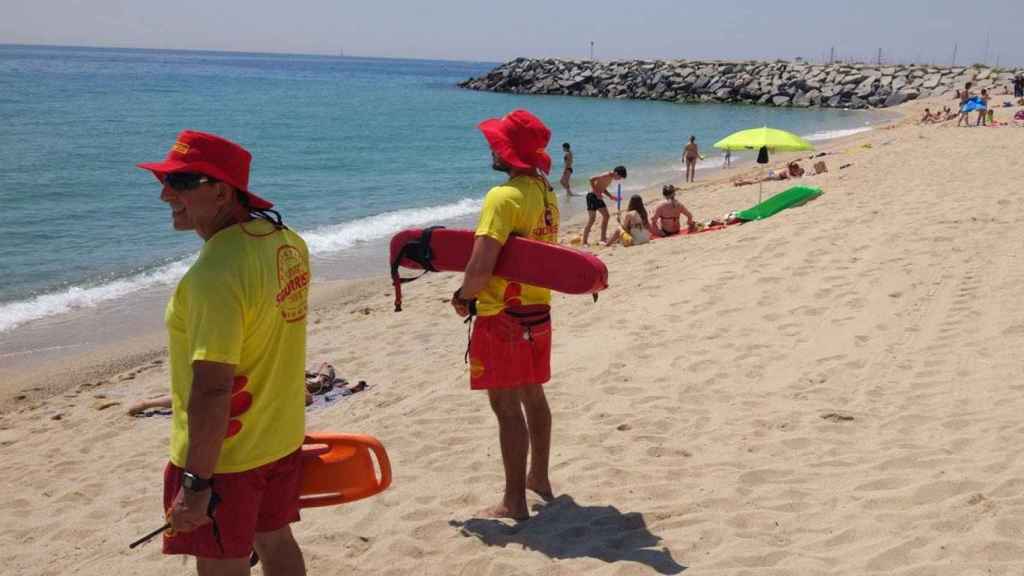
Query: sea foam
[323, 240]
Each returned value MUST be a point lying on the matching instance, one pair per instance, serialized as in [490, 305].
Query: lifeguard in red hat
[510, 347]
[236, 328]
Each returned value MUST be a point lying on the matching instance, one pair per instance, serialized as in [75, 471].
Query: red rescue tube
[533, 262]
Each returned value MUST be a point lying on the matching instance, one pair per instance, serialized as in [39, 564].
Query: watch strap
[194, 483]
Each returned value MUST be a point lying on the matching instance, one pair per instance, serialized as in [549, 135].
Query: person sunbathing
[161, 405]
[928, 117]
[793, 170]
[320, 382]
[665, 220]
[635, 228]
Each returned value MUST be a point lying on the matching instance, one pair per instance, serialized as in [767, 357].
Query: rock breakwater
[797, 84]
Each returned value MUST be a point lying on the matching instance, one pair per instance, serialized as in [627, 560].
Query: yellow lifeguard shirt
[526, 207]
[243, 302]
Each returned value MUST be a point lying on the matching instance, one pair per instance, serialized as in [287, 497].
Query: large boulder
[865, 88]
[895, 99]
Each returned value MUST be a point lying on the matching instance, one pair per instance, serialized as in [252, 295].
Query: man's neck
[515, 173]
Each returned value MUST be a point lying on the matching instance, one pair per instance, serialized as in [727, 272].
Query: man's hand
[461, 306]
[188, 511]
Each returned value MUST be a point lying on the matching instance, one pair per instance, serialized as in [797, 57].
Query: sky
[481, 30]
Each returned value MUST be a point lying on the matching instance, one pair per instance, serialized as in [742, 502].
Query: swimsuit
[594, 202]
[640, 234]
[666, 232]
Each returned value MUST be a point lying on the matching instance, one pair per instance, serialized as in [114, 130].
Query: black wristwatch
[193, 483]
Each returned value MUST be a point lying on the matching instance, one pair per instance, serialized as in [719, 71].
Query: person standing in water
[566, 180]
[690, 156]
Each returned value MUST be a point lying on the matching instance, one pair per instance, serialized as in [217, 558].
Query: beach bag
[762, 155]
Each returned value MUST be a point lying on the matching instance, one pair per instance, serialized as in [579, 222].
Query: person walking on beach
[965, 95]
[983, 110]
[665, 218]
[595, 201]
[510, 348]
[690, 156]
[237, 343]
[566, 180]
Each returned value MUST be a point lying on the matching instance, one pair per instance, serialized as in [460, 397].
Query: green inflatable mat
[795, 196]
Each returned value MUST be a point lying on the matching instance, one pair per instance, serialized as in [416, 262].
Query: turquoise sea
[351, 150]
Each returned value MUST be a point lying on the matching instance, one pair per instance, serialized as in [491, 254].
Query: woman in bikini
[665, 221]
[635, 228]
[690, 156]
[565, 181]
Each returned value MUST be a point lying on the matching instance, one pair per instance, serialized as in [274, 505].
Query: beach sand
[832, 390]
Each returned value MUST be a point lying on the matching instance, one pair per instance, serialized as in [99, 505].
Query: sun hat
[519, 139]
[212, 156]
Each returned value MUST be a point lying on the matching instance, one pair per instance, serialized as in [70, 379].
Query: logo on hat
[180, 147]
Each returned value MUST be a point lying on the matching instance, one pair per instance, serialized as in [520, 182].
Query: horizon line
[249, 52]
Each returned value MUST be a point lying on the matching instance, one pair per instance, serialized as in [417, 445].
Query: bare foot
[542, 489]
[502, 511]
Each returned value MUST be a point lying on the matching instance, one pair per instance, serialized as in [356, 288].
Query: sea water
[351, 150]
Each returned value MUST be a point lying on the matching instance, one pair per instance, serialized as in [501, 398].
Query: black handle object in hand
[149, 536]
[214, 501]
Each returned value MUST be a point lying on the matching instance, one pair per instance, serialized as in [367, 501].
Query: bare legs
[591, 216]
[524, 425]
[691, 169]
[279, 554]
[604, 224]
[538, 420]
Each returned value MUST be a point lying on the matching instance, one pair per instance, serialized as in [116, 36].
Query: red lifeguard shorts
[263, 499]
[508, 351]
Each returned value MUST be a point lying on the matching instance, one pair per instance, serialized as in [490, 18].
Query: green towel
[795, 196]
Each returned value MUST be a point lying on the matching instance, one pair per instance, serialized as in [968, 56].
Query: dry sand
[834, 390]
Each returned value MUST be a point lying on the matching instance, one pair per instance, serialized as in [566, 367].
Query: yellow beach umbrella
[757, 138]
[763, 139]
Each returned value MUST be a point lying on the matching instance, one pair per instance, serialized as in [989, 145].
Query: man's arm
[478, 271]
[208, 409]
[689, 217]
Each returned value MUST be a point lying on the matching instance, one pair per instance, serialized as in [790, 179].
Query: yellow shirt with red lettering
[243, 302]
[524, 206]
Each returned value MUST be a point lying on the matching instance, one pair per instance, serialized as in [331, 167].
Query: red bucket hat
[213, 156]
[519, 139]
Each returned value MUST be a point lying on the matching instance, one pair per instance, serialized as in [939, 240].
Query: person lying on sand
[325, 379]
[793, 170]
[665, 219]
[159, 405]
[319, 382]
[928, 117]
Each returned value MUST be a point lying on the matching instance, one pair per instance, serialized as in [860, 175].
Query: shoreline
[835, 390]
[27, 372]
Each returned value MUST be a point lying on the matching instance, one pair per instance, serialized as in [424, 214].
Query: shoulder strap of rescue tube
[418, 251]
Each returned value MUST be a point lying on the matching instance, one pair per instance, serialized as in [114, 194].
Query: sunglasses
[186, 180]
